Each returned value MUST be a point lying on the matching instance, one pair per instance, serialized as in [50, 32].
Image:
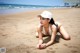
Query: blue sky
[35, 2]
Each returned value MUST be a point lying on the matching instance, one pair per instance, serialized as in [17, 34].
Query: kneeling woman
[49, 27]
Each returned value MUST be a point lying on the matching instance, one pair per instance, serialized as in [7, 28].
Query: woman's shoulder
[39, 26]
[53, 26]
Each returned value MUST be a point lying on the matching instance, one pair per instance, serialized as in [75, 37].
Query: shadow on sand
[47, 39]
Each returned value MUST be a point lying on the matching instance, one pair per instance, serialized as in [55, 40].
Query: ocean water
[14, 8]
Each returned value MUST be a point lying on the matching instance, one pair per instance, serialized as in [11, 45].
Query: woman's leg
[63, 32]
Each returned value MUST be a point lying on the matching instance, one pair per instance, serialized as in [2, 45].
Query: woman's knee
[67, 37]
[64, 34]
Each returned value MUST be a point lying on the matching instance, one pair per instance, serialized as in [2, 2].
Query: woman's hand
[38, 46]
[41, 46]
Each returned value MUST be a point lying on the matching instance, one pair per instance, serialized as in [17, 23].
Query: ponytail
[52, 21]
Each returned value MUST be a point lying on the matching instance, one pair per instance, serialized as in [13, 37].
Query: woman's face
[44, 21]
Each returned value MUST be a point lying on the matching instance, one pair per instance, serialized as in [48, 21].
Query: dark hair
[52, 21]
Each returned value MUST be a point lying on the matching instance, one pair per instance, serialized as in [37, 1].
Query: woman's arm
[40, 40]
[40, 36]
[54, 30]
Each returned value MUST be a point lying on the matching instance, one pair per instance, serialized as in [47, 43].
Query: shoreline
[21, 10]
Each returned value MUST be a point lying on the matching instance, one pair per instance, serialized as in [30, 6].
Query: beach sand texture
[17, 31]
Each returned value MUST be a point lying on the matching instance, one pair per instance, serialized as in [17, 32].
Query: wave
[11, 6]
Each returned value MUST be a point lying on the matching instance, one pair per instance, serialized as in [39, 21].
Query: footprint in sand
[3, 35]
[51, 48]
[65, 44]
[51, 51]
[74, 51]
[71, 46]
[22, 49]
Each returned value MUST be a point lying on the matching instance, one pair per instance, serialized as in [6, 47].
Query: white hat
[46, 14]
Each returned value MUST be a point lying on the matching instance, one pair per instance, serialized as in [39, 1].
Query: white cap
[46, 14]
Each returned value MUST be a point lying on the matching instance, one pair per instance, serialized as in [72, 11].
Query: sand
[17, 31]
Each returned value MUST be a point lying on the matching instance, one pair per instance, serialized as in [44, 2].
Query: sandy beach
[17, 31]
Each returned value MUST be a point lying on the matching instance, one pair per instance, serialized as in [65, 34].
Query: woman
[49, 27]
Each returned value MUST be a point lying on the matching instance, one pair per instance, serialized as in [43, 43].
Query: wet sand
[17, 31]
